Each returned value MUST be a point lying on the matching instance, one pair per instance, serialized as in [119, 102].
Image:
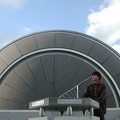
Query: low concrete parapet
[113, 114]
[18, 114]
[66, 118]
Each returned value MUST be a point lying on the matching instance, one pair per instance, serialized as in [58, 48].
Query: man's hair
[97, 73]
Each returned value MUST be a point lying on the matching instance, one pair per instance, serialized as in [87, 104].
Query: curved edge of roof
[66, 31]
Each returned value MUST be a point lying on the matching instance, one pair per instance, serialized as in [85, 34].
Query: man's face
[95, 79]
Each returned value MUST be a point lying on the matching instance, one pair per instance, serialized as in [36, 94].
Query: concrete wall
[18, 114]
[112, 114]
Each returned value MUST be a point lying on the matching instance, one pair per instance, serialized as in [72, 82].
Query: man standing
[97, 91]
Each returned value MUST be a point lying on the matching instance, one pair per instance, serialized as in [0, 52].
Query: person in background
[97, 91]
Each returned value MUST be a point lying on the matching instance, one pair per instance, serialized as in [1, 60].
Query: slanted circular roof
[49, 63]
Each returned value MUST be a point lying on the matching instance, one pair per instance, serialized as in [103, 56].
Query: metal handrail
[75, 87]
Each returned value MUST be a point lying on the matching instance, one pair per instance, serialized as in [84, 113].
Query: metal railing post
[77, 91]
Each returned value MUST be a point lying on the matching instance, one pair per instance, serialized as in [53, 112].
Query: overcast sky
[98, 18]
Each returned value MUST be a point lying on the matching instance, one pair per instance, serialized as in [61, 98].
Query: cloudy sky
[98, 18]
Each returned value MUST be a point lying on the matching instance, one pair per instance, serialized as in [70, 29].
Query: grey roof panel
[45, 40]
[82, 44]
[3, 65]
[99, 53]
[24, 72]
[14, 80]
[10, 53]
[113, 65]
[26, 45]
[64, 40]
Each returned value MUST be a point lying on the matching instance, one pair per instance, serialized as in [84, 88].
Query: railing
[73, 92]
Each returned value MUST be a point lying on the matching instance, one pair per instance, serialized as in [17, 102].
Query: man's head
[97, 73]
[96, 76]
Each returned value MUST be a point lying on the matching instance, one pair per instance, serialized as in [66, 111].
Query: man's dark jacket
[101, 95]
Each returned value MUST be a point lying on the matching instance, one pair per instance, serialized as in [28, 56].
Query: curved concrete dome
[49, 63]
